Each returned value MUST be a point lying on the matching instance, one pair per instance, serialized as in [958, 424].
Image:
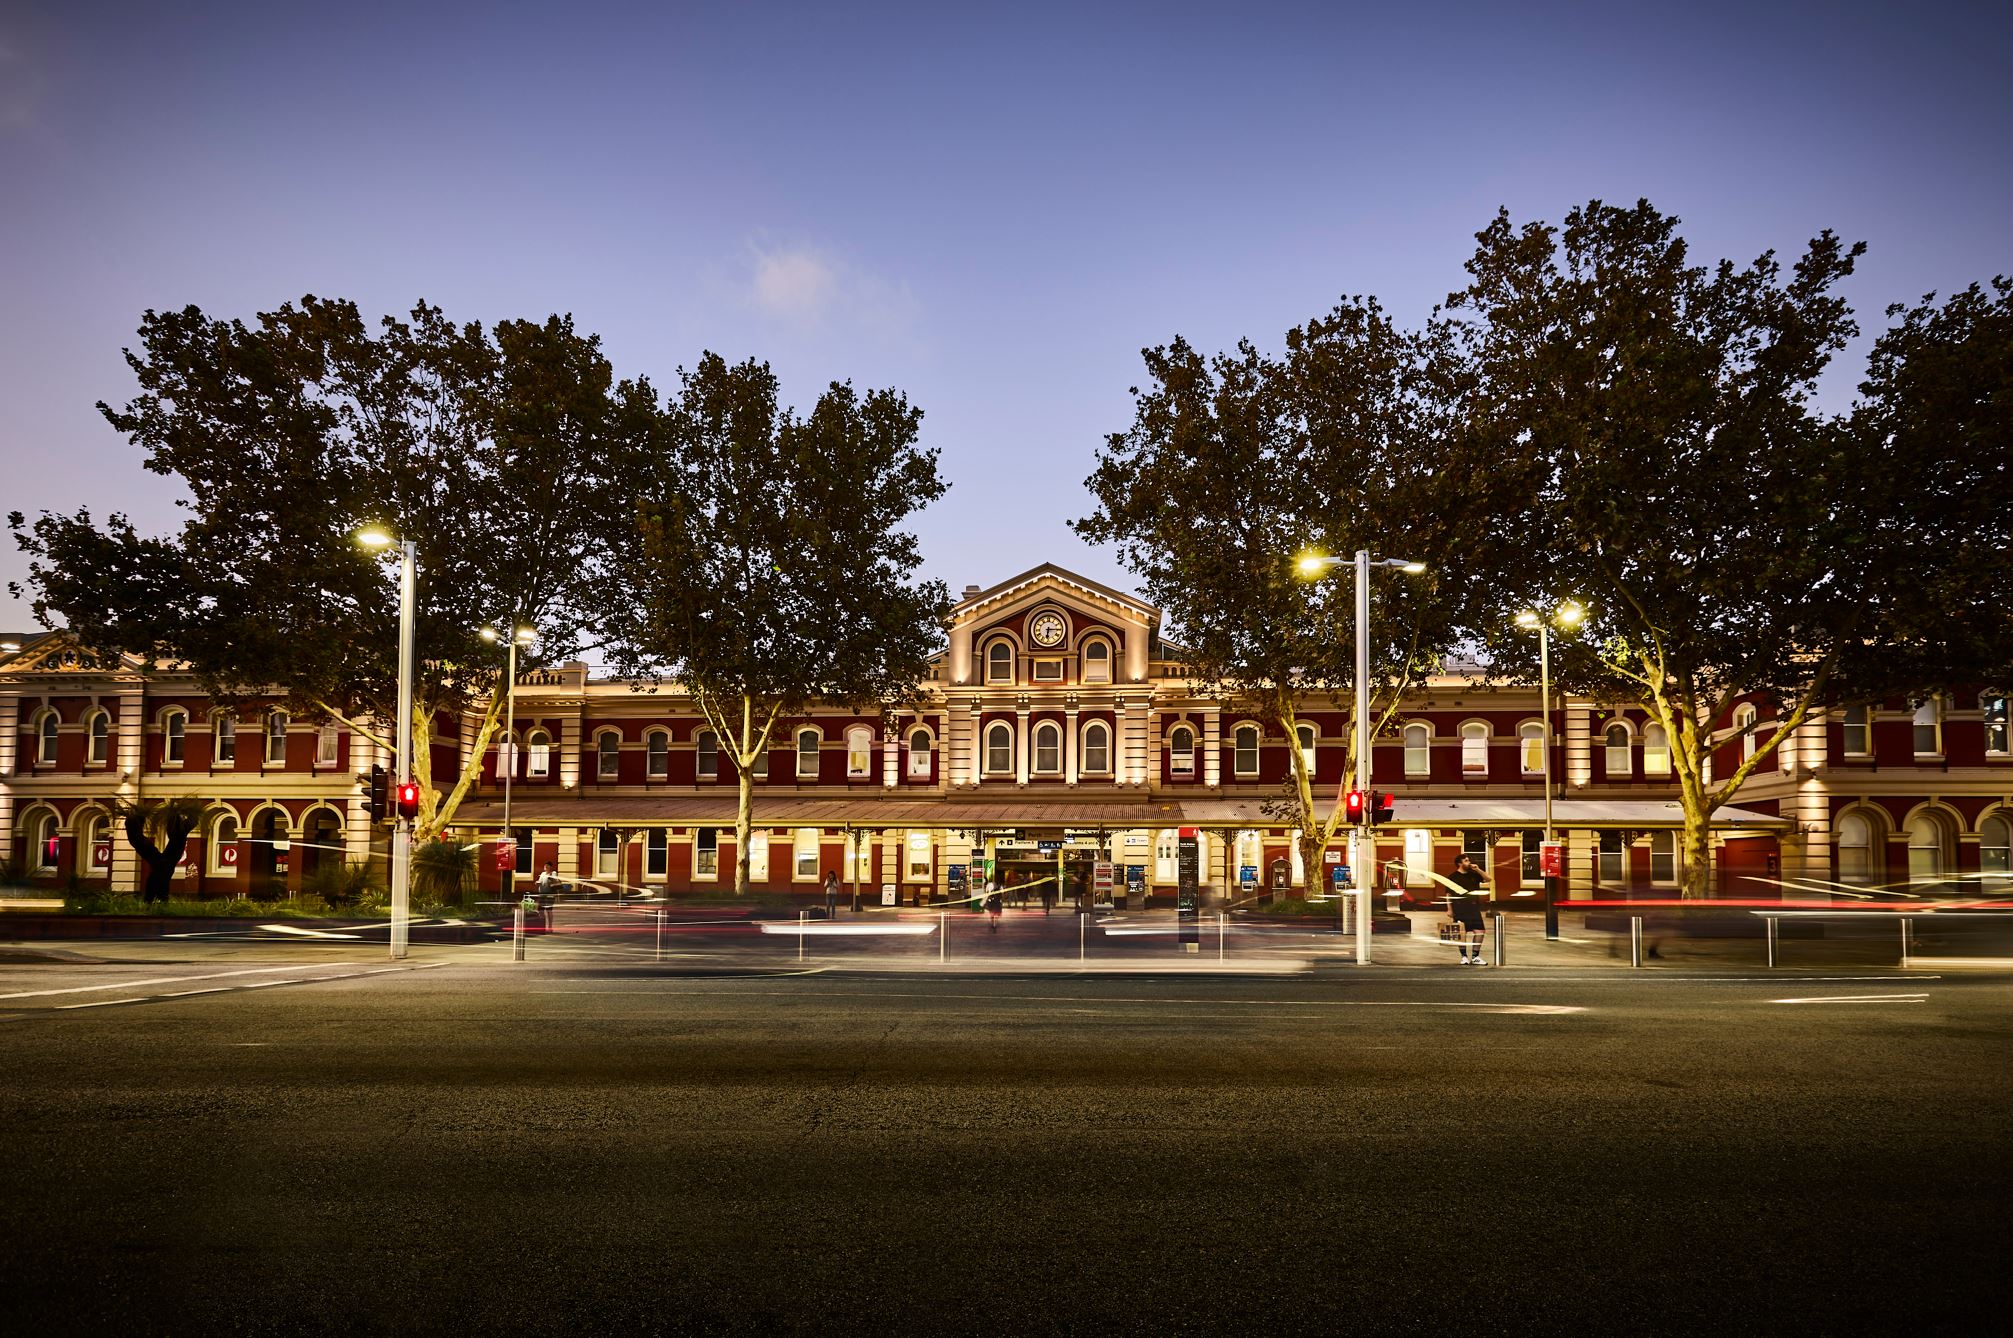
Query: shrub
[444, 873]
[346, 885]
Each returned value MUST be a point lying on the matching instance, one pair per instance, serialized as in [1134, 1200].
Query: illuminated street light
[1312, 566]
[1568, 616]
[376, 537]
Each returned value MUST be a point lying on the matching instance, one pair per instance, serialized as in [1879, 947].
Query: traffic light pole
[1361, 850]
[401, 832]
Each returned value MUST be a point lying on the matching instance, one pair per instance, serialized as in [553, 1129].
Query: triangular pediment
[1049, 581]
[58, 653]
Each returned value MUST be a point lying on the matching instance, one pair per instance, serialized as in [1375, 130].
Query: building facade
[1059, 729]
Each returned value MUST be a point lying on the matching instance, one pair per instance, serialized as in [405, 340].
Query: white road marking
[1857, 998]
[161, 980]
[228, 989]
[99, 1003]
[1536, 1009]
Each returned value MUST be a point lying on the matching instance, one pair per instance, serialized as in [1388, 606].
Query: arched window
[607, 755]
[538, 754]
[174, 737]
[1855, 850]
[1305, 734]
[1181, 751]
[657, 754]
[1047, 748]
[807, 754]
[276, 738]
[1656, 751]
[1475, 749]
[859, 752]
[225, 736]
[91, 833]
[45, 738]
[999, 748]
[999, 662]
[1096, 748]
[920, 746]
[1744, 725]
[1097, 661]
[101, 739]
[706, 749]
[1531, 747]
[1928, 848]
[1620, 765]
[1995, 846]
[1418, 754]
[1858, 731]
[222, 855]
[43, 848]
[1929, 727]
[1244, 750]
[806, 847]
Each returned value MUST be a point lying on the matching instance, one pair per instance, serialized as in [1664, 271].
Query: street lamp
[522, 636]
[374, 537]
[1312, 566]
[1567, 616]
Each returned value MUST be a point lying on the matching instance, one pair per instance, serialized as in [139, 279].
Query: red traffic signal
[1382, 806]
[408, 799]
[1353, 807]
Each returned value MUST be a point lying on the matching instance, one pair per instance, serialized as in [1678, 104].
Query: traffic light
[1353, 807]
[408, 799]
[377, 785]
[1381, 807]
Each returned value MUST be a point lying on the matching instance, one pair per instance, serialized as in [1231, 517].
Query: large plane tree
[770, 568]
[507, 454]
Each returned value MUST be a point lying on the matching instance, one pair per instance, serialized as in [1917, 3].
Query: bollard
[1772, 921]
[1905, 923]
[1635, 940]
[517, 936]
[1079, 938]
[660, 933]
[802, 918]
[1496, 919]
[943, 938]
[1222, 927]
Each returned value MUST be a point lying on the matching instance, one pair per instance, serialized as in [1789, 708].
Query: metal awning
[1006, 812]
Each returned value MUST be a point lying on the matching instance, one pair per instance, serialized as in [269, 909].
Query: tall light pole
[519, 636]
[401, 831]
[1567, 616]
[1361, 846]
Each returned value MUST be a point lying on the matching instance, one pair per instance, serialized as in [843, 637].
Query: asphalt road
[319, 1143]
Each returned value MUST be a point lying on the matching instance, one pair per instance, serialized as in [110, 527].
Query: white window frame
[1048, 670]
[817, 738]
[1475, 748]
[1993, 712]
[538, 755]
[1166, 866]
[1932, 707]
[760, 771]
[804, 846]
[1656, 756]
[1097, 660]
[1308, 736]
[174, 736]
[706, 855]
[859, 752]
[758, 856]
[1995, 845]
[48, 729]
[1619, 758]
[1855, 823]
[1181, 761]
[920, 758]
[1919, 869]
[1245, 761]
[97, 737]
[657, 755]
[1531, 747]
[276, 738]
[1087, 765]
[1047, 749]
[1418, 738]
[1856, 720]
[214, 843]
[656, 854]
[607, 759]
[43, 832]
[327, 745]
[994, 671]
[919, 859]
[1664, 861]
[87, 841]
[1418, 857]
[998, 762]
[1746, 726]
[224, 737]
[524, 841]
[608, 845]
[706, 755]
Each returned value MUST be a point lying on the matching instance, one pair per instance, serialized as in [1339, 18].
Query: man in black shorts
[1466, 908]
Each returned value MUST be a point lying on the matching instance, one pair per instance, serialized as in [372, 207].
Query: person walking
[1465, 907]
[995, 903]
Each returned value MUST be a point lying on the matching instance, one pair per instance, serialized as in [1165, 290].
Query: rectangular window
[325, 744]
[1929, 727]
[859, 753]
[807, 854]
[227, 737]
[1418, 857]
[538, 757]
[706, 854]
[1418, 751]
[523, 837]
[657, 760]
[1656, 751]
[758, 857]
[1995, 723]
[708, 753]
[919, 856]
[656, 853]
[1663, 857]
[807, 755]
[1531, 871]
[276, 738]
[1048, 671]
[1474, 750]
[1858, 731]
[1614, 860]
[1244, 755]
[1476, 846]
[919, 755]
[608, 854]
[608, 756]
[1531, 747]
[761, 769]
[173, 738]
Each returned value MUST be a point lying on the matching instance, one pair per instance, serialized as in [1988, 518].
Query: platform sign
[1048, 847]
[887, 894]
[506, 855]
[1101, 880]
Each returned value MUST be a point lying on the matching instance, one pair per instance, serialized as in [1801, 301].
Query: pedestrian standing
[995, 903]
[1465, 906]
[831, 895]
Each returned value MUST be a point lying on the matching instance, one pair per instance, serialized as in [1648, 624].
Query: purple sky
[993, 213]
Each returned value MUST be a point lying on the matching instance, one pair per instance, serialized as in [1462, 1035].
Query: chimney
[970, 591]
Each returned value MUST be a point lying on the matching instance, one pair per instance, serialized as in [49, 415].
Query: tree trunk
[1695, 869]
[743, 821]
[1313, 845]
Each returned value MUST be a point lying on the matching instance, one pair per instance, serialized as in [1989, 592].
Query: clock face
[1047, 629]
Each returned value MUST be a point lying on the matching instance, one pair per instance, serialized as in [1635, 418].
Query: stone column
[974, 738]
[1583, 852]
[1212, 746]
[1149, 751]
[890, 862]
[1020, 741]
[569, 756]
[10, 743]
[569, 850]
[1069, 742]
[890, 755]
[1579, 743]
[128, 761]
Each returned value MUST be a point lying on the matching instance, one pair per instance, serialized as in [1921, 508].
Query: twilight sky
[993, 210]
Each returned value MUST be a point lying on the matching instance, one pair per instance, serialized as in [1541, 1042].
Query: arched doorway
[267, 876]
[321, 846]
